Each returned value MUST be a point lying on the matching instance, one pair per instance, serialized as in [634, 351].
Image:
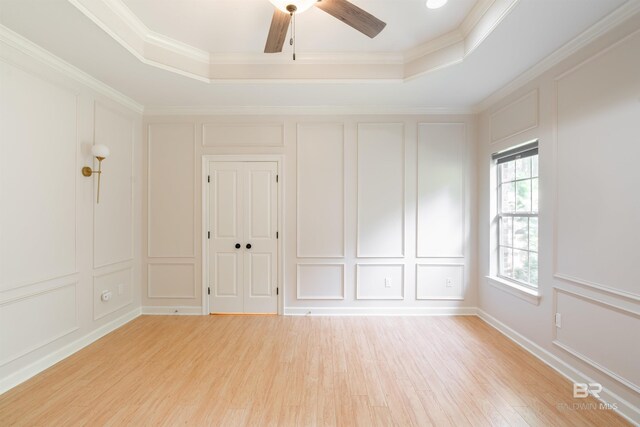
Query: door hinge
[208, 178]
[277, 235]
[208, 234]
[208, 291]
[277, 291]
[277, 178]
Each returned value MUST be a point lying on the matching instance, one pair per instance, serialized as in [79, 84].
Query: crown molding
[158, 50]
[36, 52]
[611, 21]
[302, 111]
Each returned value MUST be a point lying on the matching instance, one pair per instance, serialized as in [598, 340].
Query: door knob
[238, 245]
[248, 245]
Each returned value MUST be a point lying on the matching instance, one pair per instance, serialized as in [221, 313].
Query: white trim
[292, 110]
[29, 48]
[522, 292]
[597, 286]
[624, 408]
[380, 311]
[121, 24]
[280, 161]
[174, 310]
[601, 27]
[51, 359]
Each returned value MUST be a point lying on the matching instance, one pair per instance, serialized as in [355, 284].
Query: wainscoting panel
[37, 192]
[115, 211]
[243, 135]
[320, 191]
[43, 317]
[598, 203]
[171, 184]
[441, 190]
[516, 117]
[380, 190]
[440, 281]
[320, 281]
[380, 281]
[600, 334]
[171, 281]
[119, 282]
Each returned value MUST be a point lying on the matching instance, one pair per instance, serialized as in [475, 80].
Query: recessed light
[435, 4]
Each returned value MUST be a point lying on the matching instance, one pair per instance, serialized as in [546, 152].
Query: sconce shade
[100, 150]
[302, 5]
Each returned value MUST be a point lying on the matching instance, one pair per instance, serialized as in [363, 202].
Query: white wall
[58, 248]
[350, 186]
[585, 112]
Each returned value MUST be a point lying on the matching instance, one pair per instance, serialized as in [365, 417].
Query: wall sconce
[100, 152]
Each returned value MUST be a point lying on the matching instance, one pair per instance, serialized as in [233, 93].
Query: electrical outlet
[449, 282]
[120, 288]
[558, 320]
[387, 282]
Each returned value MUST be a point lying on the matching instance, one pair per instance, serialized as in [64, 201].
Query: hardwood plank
[324, 371]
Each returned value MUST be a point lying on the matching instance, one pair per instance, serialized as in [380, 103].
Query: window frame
[526, 150]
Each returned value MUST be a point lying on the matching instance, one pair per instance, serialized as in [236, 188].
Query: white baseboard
[173, 310]
[624, 408]
[40, 365]
[380, 311]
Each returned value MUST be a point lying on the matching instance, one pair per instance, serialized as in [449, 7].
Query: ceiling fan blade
[277, 31]
[352, 15]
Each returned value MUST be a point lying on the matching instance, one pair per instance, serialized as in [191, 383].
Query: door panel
[259, 272]
[226, 204]
[259, 204]
[243, 210]
[225, 261]
[260, 221]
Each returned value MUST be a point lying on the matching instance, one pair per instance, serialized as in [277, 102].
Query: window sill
[524, 293]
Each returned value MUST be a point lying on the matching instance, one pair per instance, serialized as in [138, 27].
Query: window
[517, 179]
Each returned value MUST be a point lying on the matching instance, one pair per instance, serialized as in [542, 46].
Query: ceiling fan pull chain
[293, 38]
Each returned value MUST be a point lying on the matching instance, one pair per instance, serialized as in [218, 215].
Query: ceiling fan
[285, 15]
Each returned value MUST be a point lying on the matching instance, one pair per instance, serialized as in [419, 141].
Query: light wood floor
[301, 371]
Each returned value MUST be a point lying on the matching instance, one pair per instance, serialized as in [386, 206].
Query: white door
[243, 218]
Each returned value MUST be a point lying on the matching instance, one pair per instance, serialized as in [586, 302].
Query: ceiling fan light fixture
[301, 5]
[436, 4]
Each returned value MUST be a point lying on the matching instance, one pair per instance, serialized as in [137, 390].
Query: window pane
[523, 168]
[521, 265]
[508, 171]
[506, 231]
[520, 233]
[533, 265]
[534, 195]
[506, 267]
[534, 166]
[533, 234]
[508, 197]
[523, 197]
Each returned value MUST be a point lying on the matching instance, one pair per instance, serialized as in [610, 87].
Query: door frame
[279, 160]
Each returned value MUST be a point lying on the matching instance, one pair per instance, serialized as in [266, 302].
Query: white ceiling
[531, 31]
[242, 25]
